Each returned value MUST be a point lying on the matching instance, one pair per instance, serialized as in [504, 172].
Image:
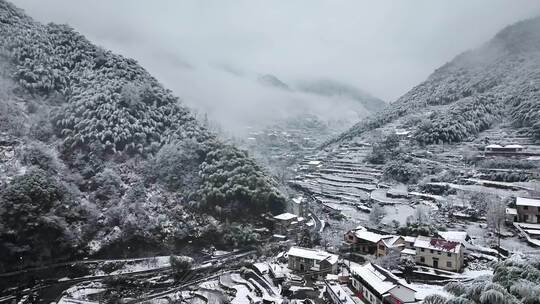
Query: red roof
[443, 244]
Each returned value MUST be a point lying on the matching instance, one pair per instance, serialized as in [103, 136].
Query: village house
[528, 209]
[287, 223]
[388, 244]
[511, 215]
[439, 253]
[360, 240]
[299, 206]
[498, 150]
[376, 285]
[408, 246]
[339, 294]
[409, 241]
[312, 262]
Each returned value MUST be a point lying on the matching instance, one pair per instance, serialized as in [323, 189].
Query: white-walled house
[439, 253]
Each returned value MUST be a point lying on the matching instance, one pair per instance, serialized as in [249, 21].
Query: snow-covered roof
[380, 279]
[514, 146]
[313, 254]
[523, 201]
[343, 293]
[511, 211]
[285, 216]
[529, 226]
[314, 162]
[455, 236]
[298, 200]
[408, 251]
[409, 239]
[369, 236]
[532, 231]
[437, 244]
[402, 132]
[261, 267]
[391, 241]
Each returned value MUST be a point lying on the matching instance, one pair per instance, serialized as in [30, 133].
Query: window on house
[422, 259]
[525, 207]
[431, 250]
[422, 249]
[449, 254]
[448, 264]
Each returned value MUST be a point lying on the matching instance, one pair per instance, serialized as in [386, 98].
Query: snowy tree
[180, 265]
[456, 288]
[391, 261]
[434, 299]
[495, 216]
[408, 264]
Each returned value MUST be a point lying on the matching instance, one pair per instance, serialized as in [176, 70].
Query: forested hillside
[96, 153]
[499, 81]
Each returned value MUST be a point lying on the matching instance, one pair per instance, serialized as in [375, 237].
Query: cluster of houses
[373, 284]
[445, 251]
[368, 283]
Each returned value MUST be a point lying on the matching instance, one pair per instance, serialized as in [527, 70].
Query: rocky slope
[96, 154]
[498, 82]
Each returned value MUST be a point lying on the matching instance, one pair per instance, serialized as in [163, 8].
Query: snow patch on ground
[424, 290]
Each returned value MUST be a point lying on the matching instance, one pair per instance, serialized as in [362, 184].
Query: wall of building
[358, 245]
[382, 250]
[455, 259]
[529, 215]
[301, 264]
[367, 296]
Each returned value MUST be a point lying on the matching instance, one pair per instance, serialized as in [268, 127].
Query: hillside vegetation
[499, 81]
[105, 155]
[514, 281]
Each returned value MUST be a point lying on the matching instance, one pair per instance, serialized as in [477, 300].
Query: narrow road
[192, 282]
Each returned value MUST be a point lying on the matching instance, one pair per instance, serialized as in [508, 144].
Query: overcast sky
[209, 51]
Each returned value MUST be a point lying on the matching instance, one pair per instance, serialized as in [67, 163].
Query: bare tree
[421, 214]
[377, 213]
[391, 261]
[495, 216]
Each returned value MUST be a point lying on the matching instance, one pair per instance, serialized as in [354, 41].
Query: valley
[112, 190]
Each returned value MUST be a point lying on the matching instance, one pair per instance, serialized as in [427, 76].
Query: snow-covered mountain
[95, 152]
[498, 82]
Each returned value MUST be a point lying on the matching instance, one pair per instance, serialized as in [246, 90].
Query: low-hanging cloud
[211, 52]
